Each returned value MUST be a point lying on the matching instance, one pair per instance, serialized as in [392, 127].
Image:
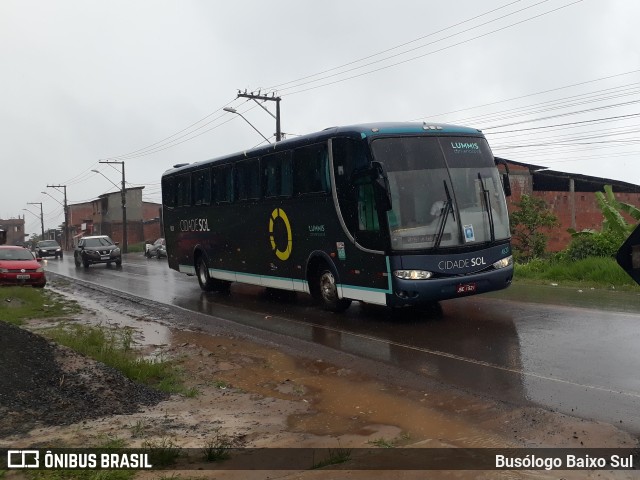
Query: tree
[526, 224]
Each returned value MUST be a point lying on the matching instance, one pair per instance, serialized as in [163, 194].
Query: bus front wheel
[205, 281]
[328, 293]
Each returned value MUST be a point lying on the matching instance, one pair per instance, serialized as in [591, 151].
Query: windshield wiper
[444, 215]
[487, 204]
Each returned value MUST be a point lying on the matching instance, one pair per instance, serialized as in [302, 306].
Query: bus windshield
[445, 191]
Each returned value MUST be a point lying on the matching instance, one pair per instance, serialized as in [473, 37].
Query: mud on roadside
[257, 395]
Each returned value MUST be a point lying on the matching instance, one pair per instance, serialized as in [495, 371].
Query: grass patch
[105, 443]
[336, 456]
[599, 272]
[162, 453]
[136, 247]
[217, 448]
[114, 347]
[23, 303]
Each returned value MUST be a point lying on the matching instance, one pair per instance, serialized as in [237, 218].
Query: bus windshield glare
[445, 191]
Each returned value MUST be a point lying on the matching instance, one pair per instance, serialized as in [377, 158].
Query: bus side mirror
[381, 182]
[506, 184]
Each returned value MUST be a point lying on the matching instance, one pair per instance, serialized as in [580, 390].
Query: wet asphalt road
[576, 352]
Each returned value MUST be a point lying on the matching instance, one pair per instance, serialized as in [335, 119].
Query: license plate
[466, 288]
[104, 257]
[23, 277]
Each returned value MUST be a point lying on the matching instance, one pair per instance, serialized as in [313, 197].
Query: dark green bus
[392, 214]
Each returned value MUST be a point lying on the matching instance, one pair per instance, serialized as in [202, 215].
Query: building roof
[546, 180]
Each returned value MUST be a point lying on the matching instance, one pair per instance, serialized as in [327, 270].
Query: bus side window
[367, 213]
[278, 175]
[183, 190]
[201, 187]
[311, 169]
[248, 179]
[168, 192]
[222, 184]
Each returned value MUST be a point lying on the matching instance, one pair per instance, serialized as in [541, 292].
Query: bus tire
[328, 292]
[202, 271]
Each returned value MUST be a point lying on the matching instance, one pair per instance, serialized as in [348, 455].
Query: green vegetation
[600, 272]
[81, 474]
[21, 303]
[382, 443]
[525, 223]
[108, 443]
[114, 347]
[136, 247]
[335, 457]
[162, 453]
[217, 447]
[589, 259]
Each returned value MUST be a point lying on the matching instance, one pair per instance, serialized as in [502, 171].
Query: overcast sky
[145, 82]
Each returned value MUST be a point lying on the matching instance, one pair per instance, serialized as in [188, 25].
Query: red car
[18, 266]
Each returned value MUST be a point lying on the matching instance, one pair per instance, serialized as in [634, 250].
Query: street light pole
[265, 98]
[233, 110]
[123, 200]
[41, 216]
[66, 214]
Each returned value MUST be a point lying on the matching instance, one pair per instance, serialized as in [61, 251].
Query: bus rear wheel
[205, 281]
[328, 293]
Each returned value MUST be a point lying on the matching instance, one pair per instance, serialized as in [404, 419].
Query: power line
[421, 56]
[278, 86]
[440, 115]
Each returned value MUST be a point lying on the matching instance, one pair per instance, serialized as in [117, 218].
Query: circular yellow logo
[281, 254]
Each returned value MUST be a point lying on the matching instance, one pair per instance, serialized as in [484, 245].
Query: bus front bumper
[418, 292]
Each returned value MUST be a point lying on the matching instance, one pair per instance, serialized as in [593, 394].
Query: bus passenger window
[367, 213]
[222, 184]
[248, 180]
[311, 170]
[168, 192]
[201, 187]
[278, 175]
[183, 190]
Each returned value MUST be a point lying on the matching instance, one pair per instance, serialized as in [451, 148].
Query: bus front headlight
[412, 274]
[504, 263]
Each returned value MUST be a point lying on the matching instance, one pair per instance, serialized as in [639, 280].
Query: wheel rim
[328, 289]
[203, 272]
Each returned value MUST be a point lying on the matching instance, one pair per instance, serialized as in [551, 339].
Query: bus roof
[364, 130]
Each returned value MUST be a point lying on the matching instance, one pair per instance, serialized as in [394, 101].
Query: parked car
[18, 266]
[48, 248]
[96, 249]
[156, 249]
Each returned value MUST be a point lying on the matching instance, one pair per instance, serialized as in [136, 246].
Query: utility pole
[272, 98]
[41, 216]
[66, 214]
[124, 207]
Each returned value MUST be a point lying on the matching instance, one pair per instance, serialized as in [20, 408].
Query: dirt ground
[257, 396]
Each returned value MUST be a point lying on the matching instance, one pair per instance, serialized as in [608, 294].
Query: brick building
[15, 230]
[103, 216]
[571, 197]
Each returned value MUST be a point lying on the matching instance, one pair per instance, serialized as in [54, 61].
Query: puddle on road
[345, 404]
[581, 297]
[147, 333]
